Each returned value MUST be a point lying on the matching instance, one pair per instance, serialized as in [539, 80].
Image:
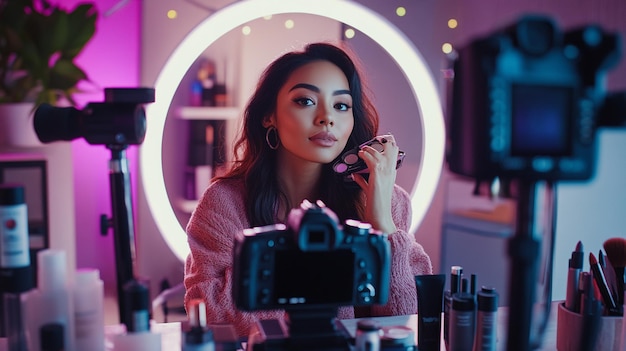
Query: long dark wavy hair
[256, 162]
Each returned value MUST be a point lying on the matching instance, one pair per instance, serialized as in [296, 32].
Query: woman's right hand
[379, 186]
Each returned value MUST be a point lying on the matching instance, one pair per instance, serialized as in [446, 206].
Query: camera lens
[57, 123]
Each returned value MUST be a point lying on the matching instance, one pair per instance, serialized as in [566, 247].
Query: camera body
[526, 99]
[311, 262]
[118, 121]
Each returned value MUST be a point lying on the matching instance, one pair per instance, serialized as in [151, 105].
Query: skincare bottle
[138, 336]
[15, 270]
[486, 320]
[429, 289]
[51, 302]
[462, 322]
[89, 310]
[197, 337]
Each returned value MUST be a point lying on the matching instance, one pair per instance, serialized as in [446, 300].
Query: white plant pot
[16, 125]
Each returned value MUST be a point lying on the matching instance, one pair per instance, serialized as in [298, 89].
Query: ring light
[351, 13]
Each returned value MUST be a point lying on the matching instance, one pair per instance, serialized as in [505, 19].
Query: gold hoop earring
[267, 138]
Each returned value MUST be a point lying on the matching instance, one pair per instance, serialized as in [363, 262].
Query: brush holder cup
[569, 330]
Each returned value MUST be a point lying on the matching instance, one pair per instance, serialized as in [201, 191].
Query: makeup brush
[615, 249]
[601, 259]
[598, 276]
[611, 279]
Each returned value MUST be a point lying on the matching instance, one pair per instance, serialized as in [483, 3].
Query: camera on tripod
[525, 105]
[527, 100]
[119, 120]
[309, 267]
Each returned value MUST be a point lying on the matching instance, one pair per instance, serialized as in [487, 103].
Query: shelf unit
[187, 206]
[230, 113]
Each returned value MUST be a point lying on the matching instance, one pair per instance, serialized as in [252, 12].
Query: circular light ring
[397, 45]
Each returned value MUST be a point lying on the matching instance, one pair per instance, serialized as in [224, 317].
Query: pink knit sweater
[220, 216]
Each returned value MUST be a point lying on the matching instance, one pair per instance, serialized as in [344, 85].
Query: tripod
[523, 250]
[122, 224]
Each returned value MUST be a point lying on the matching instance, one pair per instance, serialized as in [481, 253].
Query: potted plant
[38, 44]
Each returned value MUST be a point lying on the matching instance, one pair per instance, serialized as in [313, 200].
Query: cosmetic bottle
[196, 336]
[456, 274]
[15, 270]
[429, 289]
[368, 333]
[398, 337]
[462, 322]
[89, 310]
[138, 336]
[51, 301]
[195, 93]
[486, 319]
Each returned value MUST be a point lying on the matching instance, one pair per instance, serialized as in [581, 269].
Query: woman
[308, 108]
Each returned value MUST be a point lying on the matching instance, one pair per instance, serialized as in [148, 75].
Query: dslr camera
[309, 267]
[526, 102]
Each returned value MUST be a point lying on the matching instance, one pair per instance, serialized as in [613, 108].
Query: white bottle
[143, 341]
[89, 310]
[52, 301]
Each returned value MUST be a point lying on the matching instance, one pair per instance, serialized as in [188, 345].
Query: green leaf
[82, 27]
[41, 42]
[49, 32]
[65, 75]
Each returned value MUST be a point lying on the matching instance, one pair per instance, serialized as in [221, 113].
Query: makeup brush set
[591, 318]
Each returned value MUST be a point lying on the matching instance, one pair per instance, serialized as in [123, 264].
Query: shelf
[187, 206]
[207, 113]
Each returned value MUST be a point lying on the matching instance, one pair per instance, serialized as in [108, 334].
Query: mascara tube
[456, 275]
[575, 265]
[486, 320]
